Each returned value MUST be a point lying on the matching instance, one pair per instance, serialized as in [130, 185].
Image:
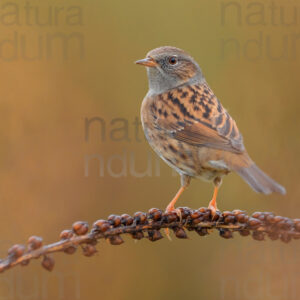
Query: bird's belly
[185, 158]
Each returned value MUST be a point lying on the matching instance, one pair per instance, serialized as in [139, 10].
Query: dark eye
[173, 60]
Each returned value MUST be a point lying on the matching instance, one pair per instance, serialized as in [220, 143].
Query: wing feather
[195, 116]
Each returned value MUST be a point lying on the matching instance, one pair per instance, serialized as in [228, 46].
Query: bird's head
[170, 67]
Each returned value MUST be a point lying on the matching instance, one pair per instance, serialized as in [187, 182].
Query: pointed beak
[148, 62]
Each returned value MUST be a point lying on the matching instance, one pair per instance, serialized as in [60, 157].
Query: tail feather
[260, 181]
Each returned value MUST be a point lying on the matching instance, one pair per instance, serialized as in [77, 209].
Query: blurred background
[72, 147]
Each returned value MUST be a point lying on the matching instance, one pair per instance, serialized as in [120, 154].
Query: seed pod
[278, 219]
[270, 218]
[66, 234]
[34, 242]
[101, 225]
[297, 224]
[154, 235]
[137, 235]
[254, 223]
[244, 232]
[70, 250]
[285, 237]
[114, 220]
[207, 215]
[202, 231]
[89, 250]
[296, 237]
[242, 218]
[80, 227]
[126, 220]
[115, 240]
[155, 214]
[273, 236]
[48, 263]
[227, 213]
[185, 212]
[195, 214]
[262, 217]
[170, 217]
[198, 220]
[225, 233]
[140, 217]
[180, 233]
[203, 209]
[237, 212]
[288, 224]
[190, 228]
[217, 216]
[93, 242]
[229, 219]
[257, 235]
[16, 251]
[256, 214]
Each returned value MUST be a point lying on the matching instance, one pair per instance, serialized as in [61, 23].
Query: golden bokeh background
[65, 62]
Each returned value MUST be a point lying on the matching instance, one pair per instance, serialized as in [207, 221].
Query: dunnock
[190, 130]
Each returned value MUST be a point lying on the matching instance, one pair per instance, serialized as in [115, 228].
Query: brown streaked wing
[194, 115]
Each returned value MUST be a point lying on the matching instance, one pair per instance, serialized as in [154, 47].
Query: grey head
[170, 67]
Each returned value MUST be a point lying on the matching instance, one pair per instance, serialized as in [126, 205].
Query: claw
[178, 213]
[213, 203]
[167, 232]
[214, 211]
[185, 181]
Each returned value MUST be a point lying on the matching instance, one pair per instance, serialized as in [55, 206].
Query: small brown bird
[190, 130]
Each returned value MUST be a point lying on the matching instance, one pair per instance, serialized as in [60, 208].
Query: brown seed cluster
[260, 225]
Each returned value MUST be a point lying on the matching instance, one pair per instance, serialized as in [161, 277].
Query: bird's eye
[173, 60]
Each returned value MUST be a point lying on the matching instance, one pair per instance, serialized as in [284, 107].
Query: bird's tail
[259, 181]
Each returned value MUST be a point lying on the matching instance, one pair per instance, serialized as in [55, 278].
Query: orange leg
[171, 205]
[213, 203]
[185, 181]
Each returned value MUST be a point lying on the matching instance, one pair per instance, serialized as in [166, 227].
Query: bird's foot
[171, 208]
[215, 212]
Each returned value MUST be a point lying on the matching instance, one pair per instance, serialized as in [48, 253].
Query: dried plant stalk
[148, 225]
